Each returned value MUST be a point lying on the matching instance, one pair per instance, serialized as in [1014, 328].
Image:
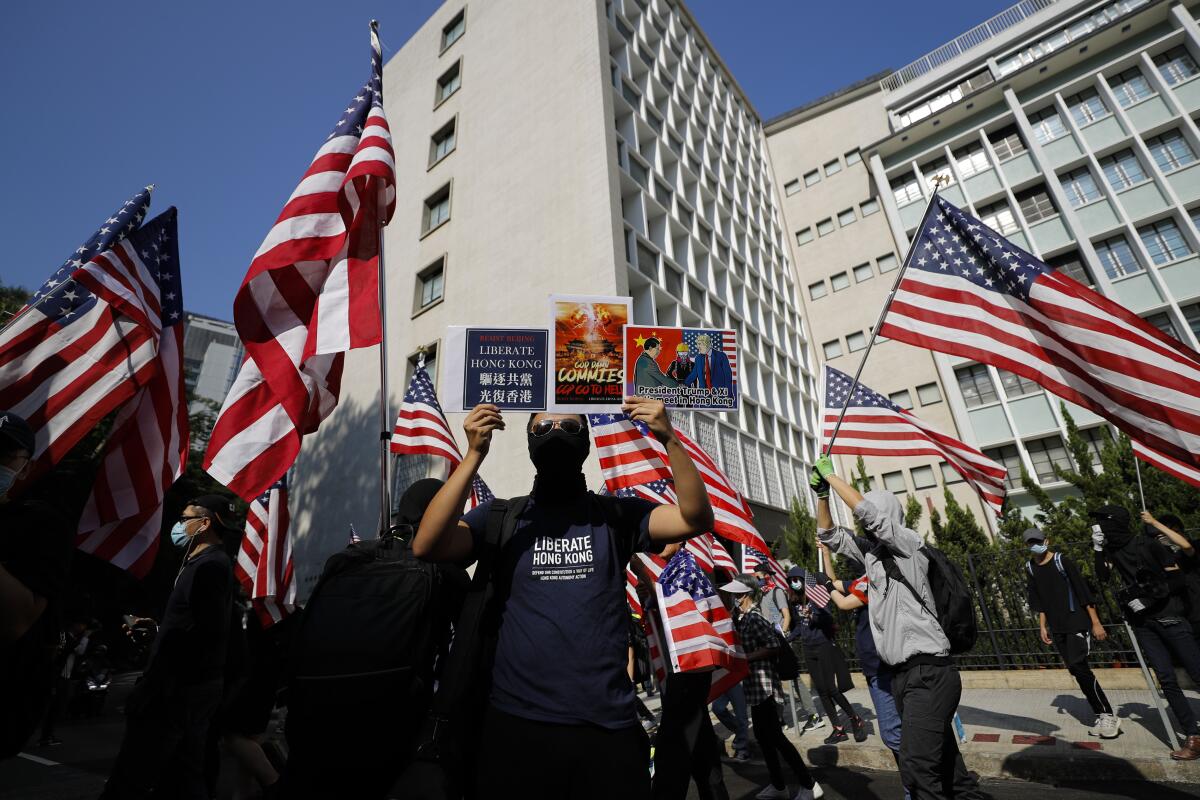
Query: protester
[803, 694]
[827, 669]
[1067, 617]
[762, 691]
[1153, 600]
[561, 720]
[853, 596]
[1170, 533]
[775, 604]
[35, 552]
[925, 683]
[170, 709]
[75, 641]
[730, 708]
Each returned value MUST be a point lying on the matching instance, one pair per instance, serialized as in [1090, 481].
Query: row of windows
[1045, 453]
[923, 477]
[862, 272]
[845, 217]
[830, 169]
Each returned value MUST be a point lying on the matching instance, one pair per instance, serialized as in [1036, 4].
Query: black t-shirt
[35, 548]
[562, 652]
[1063, 596]
[194, 632]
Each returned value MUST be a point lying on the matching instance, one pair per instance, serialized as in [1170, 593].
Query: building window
[999, 217]
[971, 160]
[853, 157]
[449, 82]
[863, 273]
[454, 29]
[1007, 143]
[1046, 454]
[791, 187]
[886, 263]
[856, 341]
[869, 207]
[922, 477]
[902, 398]
[430, 284]
[846, 217]
[812, 178]
[1191, 315]
[1087, 107]
[1122, 170]
[1007, 456]
[1164, 241]
[975, 385]
[832, 349]
[840, 281]
[1080, 186]
[906, 189]
[950, 474]
[1016, 385]
[1171, 151]
[1036, 205]
[1047, 125]
[929, 393]
[437, 209]
[1176, 65]
[1095, 438]
[825, 227]
[938, 170]
[442, 143]
[1162, 321]
[894, 482]
[1072, 266]
[833, 167]
[804, 236]
[647, 261]
[1117, 257]
[1130, 87]
[817, 290]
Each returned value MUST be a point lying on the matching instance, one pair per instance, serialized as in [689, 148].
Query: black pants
[1166, 646]
[1075, 649]
[163, 748]
[548, 761]
[772, 742]
[930, 764]
[58, 705]
[831, 701]
[686, 746]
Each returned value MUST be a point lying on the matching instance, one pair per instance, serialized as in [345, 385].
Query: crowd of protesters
[519, 678]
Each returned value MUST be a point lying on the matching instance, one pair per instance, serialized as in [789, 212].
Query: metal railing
[971, 39]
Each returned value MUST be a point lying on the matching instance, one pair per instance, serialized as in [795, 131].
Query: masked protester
[925, 682]
[827, 668]
[169, 712]
[1068, 620]
[795, 638]
[1152, 596]
[1170, 534]
[35, 552]
[561, 719]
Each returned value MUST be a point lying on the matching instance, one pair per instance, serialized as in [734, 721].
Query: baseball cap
[1033, 535]
[17, 430]
[796, 572]
[221, 508]
[1118, 514]
[736, 587]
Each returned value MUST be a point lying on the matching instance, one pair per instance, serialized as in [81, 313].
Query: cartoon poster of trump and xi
[689, 368]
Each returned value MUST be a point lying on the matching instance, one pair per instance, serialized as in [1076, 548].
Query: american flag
[752, 557]
[631, 595]
[69, 359]
[148, 447]
[264, 563]
[629, 455]
[721, 340]
[697, 630]
[817, 594]
[969, 292]
[354, 537]
[875, 426]
[421, 429]
[710, 554]
[1172, 466]
[311, 294]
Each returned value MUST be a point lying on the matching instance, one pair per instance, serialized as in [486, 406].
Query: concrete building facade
[212, 354]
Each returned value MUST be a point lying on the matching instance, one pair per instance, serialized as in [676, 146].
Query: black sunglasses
[544, 426]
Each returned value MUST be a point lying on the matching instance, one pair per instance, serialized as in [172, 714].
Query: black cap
[796, 572]
[1117, 514]
[415, 500]
[220, 507]
[16, 430]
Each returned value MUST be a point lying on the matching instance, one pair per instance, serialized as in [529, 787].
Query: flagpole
[937, 183]
[385, 420]
[1137, 468]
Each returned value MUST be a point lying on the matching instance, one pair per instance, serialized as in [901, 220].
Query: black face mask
[558, 453]
[1116, 535]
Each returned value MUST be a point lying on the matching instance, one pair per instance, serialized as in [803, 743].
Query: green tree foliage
[1011, 525]
[12, 298]
[800, 534]
[912, 512]
[961, 532]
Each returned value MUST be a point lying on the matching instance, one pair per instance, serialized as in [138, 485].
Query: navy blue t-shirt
[562, 653]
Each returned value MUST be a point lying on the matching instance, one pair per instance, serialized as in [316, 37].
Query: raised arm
[1179, 539]
[443, 536]
[693, 515]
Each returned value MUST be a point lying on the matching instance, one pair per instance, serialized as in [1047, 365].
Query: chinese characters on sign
[502, 366]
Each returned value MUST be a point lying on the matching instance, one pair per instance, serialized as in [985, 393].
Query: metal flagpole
[385, 419]
[1137, 468]
[937, 183]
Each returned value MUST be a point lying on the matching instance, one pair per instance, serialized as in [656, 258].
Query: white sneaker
[769, 792]
[1108, 726]
[810, 794]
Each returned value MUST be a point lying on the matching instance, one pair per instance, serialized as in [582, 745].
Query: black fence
[1008, 631]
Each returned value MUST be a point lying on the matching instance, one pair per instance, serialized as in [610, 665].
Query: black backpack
[787, 666]
[955, 611]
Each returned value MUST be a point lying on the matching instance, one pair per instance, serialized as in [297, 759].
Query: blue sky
[222, 105]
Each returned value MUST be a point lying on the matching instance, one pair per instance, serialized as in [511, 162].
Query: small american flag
[697, 630]
[422, 429]
[354, 537]
[147, 449]
[969, 292]
[875, 426]
[310, 295]
[815, 592]
[1172, 466]
[264, 564]
[629, 454]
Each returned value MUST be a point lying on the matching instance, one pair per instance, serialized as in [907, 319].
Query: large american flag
[264, 564]
[875, 426]
[708, 550]
[1172, 466]
[721, 340]
[69, 359]
[421, 429]
[697, 630]
[148, 447]
[311, 293]
[970, 292]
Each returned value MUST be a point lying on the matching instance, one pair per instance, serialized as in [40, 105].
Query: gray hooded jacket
[900, 624]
